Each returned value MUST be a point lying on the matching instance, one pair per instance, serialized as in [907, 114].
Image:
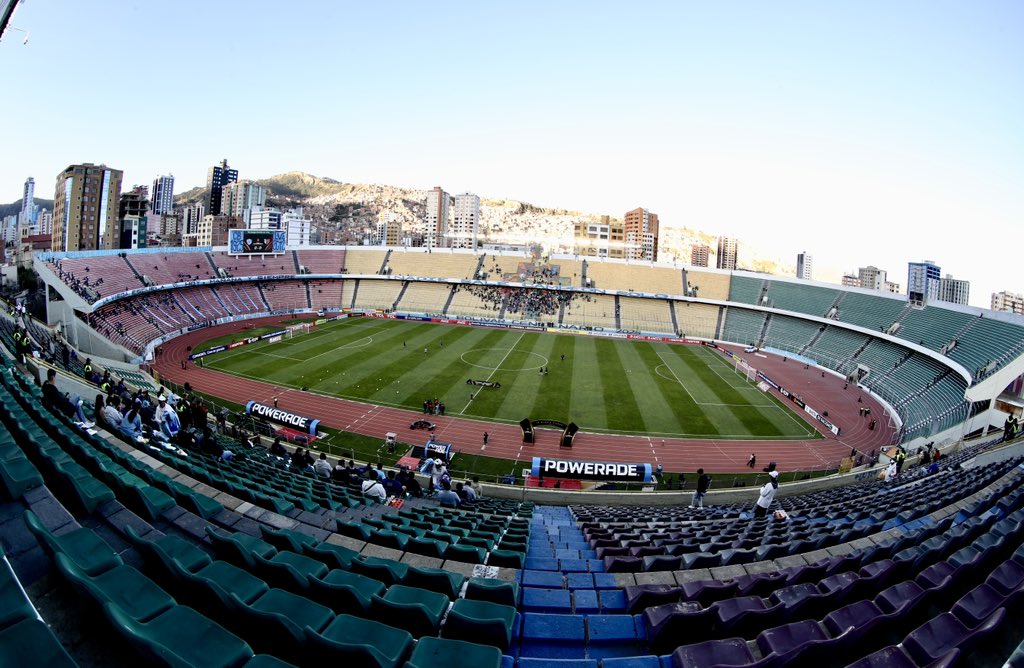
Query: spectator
[891, 471]
[111, 415]
[752, 462]
[477, 489]
[340, 473]
[392, 485]
[277, 448]
[54, 400]
[767, 495]
[703, 483]
[322, 467]
[446, 497]
[298, 458]
[411, 484]
[98, 405]
[131, 425]
[372, 487]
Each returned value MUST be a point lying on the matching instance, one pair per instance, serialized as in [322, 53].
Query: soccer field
[608, 385]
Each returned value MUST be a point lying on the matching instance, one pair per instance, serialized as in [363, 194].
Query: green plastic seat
[30, 642]
[194, 502]
[274, 622]
[493, 590]
[149, 501]
[445, 653]
[465, 553]
[289, 570]
[427, 547]
[134, 593]
[82, 546]
[359, 642]
[229, 578]
[335, 556]
[481, 622]
[345, 593]
[387, 571]
[356, 530]
[18, 475]
[386, 538]
[287, 539]
[181, 637]
[183, 553]
[418, 611]
[435, 579]
[239, 548]
[506, 559]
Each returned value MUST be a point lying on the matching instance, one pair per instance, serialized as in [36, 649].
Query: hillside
[349, 213]
[15, 207]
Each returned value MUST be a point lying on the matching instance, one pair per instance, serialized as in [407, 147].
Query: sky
[863, 133]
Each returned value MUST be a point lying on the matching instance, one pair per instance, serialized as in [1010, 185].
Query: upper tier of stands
[635, 277]
[417, 262]
[321, 260]
[169, 268]
[364, 261]
[255, 265]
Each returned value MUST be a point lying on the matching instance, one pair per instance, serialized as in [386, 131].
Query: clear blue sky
[864, 133]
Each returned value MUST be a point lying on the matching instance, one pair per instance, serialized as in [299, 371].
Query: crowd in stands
[528, 301]
[84, 286]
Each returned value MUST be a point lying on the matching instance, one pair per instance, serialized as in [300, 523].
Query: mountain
[350, 212]
[15, 207]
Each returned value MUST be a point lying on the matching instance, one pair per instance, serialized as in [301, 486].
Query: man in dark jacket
[703, 483]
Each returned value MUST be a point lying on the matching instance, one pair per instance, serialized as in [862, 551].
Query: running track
[824, 393]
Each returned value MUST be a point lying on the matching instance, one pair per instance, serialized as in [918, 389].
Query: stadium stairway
[572, 610]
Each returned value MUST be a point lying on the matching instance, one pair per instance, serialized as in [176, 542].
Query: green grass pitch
[602, 384]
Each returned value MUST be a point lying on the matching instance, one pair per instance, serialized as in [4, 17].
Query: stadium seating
[709, 285]
[254, 265]
[325, 294]
[321, 260]
[439, 264]
[599, 311]
[424, 297]
[638, 277]
[172, 266]
[743, 326]
[377, 294]
[359, 261]
[647, 315]
[699, 320]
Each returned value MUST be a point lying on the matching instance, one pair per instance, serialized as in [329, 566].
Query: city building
[603, 239]
[134, 231]
[435, 217]
[699, 255]
[191, 216]
[163, 194]
[264, 219]
[85, 208]
[1008, 301]
[465, 221]
[239, 196]
[923, 282]
[894, 288]
[27, 217]
[872, 277]
[44, 222]
[641, 228]
[217, 177]
[213, 230]
[389, 230]
[726, 253]
[804, 266]
[954, 290]
[851, 281]
[132, 210]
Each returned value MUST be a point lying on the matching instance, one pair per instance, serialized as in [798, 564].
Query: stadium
[601, 385]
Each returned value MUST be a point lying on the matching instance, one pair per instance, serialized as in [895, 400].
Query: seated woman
[131, 424]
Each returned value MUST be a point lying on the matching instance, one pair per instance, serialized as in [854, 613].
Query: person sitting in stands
[299, 458]
[111, 415]
[277, 448]
[131, 425]
[340, 472]
[392, 486]
[372, 487]
[411, 484]
[465, 492]
[445, 495]
[322, 467]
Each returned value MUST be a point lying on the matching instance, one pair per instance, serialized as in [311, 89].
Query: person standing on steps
[486, 436]
[767, 495]
[703, 483]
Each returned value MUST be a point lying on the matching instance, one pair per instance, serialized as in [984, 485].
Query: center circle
[493, 359]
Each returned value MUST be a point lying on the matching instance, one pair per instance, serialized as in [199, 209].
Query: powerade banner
[612, 471]
[281, 416]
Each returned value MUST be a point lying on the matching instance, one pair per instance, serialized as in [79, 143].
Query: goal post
[743, 369]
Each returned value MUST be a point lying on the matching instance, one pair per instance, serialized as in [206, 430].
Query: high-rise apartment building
[213, 230]
[462, 229]
[28, 206]
[726, 253]
[44, 222]
[804, 266]
[163, 194]
[239, 196]
[190, 217]
[85, 208]
[1010, 302]
[699, 255]
[389, 231]
[872, 277]
[641, 228]
[954, 290]
[435, 218]
[217, 177]
[923, 282]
